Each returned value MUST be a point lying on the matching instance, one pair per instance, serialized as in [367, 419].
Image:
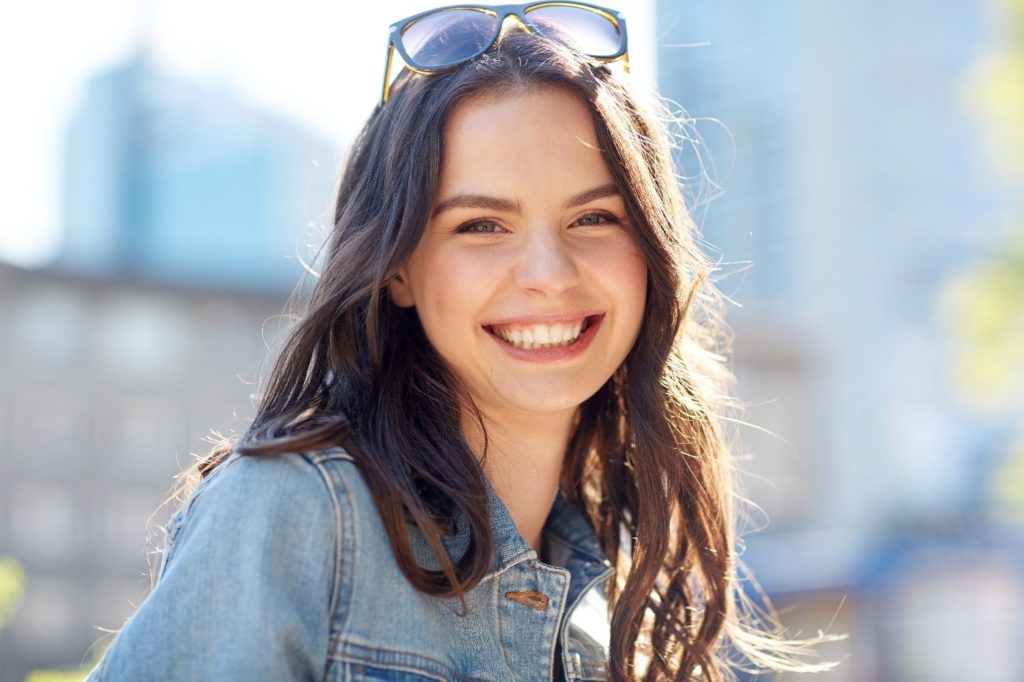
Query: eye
[479, 227]
[596, 219]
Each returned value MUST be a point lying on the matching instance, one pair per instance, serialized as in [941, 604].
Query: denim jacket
[279, 568]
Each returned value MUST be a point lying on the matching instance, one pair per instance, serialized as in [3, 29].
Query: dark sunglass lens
[593, 33]
[448, 37]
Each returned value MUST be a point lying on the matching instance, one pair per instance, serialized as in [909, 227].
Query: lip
[544, 319]
[550, 355]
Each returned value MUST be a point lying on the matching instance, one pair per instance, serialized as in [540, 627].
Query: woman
[491, 448]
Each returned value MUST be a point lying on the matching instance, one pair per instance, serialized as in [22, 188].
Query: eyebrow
[510, 206]
[477, 201]
[592, 195]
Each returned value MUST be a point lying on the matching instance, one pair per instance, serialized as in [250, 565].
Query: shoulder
[253, 578]
[280, 486]
[285, 499]
[292, 514]
[276, 477]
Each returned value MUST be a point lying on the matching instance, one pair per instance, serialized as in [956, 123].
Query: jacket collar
[568, 539]
[568, 542]
[567, 534]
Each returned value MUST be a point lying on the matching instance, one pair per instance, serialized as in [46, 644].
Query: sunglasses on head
[441, 39]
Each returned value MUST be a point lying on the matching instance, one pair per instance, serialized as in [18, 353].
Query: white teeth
[540, 335]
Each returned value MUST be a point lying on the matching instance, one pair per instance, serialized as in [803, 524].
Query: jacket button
[535, 600]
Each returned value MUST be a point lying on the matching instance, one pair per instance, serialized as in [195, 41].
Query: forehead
[544, 134]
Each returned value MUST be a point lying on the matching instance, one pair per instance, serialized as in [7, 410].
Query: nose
[546, 264]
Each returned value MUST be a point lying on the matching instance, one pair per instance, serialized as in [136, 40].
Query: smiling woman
[536, 312]
[536, 252]
[492, 447]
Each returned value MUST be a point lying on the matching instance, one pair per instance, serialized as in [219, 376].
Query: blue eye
[479, 227]
[596, 219]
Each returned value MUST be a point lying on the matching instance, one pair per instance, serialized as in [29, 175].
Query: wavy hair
[648, 461]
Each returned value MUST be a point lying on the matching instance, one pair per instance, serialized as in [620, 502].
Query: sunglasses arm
[386, 89]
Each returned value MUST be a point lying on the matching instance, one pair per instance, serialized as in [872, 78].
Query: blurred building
[186, 213]
[183, 183]
[108, 388]
[851, 182]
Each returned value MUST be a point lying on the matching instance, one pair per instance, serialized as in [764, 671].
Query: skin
[543, 243]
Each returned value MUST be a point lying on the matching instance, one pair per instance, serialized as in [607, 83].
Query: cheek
[449, 289]
[637, 293]
[623, 269]
[629, 278]
[633, 266]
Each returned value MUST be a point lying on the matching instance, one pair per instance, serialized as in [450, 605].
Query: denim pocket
[367, 673]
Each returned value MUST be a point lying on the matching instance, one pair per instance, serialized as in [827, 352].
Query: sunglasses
[441, 39]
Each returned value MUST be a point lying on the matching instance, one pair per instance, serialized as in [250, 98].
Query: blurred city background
[858, 169]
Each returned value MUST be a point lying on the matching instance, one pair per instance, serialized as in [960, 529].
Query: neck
[523, 463]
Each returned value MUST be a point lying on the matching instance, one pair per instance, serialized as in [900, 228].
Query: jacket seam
[428, 666]
[406, 667]
[343, 533]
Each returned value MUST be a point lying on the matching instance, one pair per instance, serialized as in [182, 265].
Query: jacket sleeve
[245, 587]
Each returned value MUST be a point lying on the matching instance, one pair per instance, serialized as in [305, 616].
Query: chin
[547, 405]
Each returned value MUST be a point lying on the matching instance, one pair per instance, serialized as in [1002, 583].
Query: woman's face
[527, 280]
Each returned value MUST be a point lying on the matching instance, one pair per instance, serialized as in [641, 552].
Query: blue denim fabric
[279, 568]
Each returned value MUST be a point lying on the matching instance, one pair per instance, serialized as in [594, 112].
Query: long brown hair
[649, 460]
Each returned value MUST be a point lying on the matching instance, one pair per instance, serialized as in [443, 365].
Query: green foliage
[1008, 484]
[984, 307]
[12, 585]
[998, 92]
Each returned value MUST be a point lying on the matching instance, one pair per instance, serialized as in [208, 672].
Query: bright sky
[320, 63]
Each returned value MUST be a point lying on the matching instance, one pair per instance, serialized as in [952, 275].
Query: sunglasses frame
[501, 12]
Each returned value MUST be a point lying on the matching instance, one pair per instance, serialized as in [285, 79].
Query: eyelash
[467, 228]
[607, 217]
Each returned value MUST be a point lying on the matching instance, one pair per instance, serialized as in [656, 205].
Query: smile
[546, 340]
[533, 336]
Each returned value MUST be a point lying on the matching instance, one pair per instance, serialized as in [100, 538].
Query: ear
[399, 290]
